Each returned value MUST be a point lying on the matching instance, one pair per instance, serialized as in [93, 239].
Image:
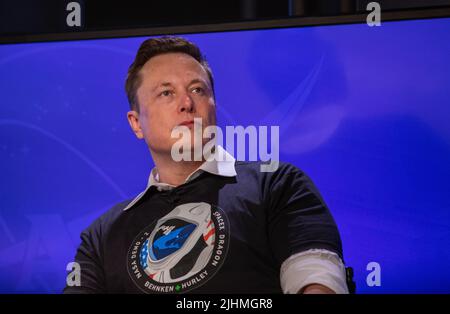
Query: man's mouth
[187, 122]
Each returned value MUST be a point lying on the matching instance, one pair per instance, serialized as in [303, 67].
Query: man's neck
[174, 172]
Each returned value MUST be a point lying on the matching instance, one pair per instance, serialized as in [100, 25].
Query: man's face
[175, 88]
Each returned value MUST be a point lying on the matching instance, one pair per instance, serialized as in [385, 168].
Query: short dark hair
[157, 46]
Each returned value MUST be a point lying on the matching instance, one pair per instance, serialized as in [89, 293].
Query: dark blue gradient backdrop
[364, 111]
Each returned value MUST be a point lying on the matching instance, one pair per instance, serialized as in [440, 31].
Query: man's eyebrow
[163, 84]
[194, 81]
[168, 84]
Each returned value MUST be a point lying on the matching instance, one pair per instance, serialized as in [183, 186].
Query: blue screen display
[364, 111]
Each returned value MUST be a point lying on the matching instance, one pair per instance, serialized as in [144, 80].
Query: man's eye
[165, 93]
[198, 90]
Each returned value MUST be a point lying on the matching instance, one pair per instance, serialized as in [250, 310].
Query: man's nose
[187, 104]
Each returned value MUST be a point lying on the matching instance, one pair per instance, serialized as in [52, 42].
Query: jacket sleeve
[298, 218]
[89, 259]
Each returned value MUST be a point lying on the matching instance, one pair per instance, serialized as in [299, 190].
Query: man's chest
[202, 245]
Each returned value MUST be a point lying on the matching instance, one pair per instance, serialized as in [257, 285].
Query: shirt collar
[220, 164]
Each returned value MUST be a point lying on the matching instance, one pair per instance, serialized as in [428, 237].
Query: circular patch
[181, 251]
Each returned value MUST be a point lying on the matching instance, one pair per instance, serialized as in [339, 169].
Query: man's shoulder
[286, 177]
[116, 210]
[266, 168]
[105, 220]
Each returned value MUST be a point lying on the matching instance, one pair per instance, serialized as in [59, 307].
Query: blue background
[364, 111]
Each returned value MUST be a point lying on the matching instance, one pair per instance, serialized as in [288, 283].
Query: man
[205, 226]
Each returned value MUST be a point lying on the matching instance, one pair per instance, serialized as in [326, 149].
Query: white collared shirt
[223, 165]
[299, 270]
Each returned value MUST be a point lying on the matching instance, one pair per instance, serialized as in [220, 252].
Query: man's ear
[133, 120]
